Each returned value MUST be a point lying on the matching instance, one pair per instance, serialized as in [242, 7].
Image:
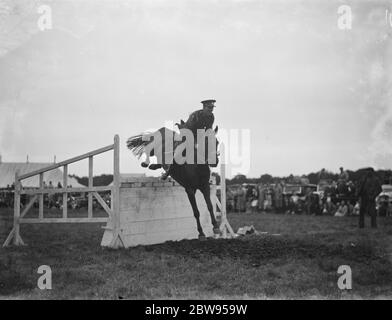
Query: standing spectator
[383, 206]
[230, 195]
[308, 202]
[235, 199]
[333, 191]
[268, 199]
[323, 176]
[46, 196]
[295, 204]
[260, 201]
[351, 189]
[286, 203]
[343, 175]
[241, 202]
[368, 190]
[50, 195]
[278, 196]
[253, 204]
[313, 204]
[292, 204]
[249, 192]
[342, 181]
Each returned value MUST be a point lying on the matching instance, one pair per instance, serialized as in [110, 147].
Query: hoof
[217, 231]
[144, 165]
[202, 237]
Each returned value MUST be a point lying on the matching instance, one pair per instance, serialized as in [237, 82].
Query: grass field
[300, 262]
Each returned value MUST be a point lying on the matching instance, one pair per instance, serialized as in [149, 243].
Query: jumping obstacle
[142, 211]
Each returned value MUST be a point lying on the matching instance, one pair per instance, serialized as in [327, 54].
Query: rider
[200, 119]
[203, 118]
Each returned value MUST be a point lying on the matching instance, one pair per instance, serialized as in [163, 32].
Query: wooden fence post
[213, 192]
[17, 238]
[41, 197]
[225, 226]
[117, 240]
[90, 185]
[65, 194]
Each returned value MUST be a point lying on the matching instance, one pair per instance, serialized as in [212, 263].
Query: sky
[309, 94]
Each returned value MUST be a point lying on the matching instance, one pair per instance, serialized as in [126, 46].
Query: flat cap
[208, 101]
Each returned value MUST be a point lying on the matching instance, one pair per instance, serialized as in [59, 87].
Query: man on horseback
[192, 177]
[203, 118]
[200, 119]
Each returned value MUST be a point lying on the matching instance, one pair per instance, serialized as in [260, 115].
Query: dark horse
[192, 176]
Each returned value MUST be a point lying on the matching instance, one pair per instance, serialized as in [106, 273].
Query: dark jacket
[369, 187]
[200, 119]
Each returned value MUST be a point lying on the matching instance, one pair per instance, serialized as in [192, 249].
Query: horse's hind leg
[207, 197]
[196, 213]
[155, 166]
[146, 162]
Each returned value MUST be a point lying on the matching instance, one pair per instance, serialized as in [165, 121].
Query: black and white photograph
[201, 154]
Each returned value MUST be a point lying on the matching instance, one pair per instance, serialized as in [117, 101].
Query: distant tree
[384, 176]
[102, 180]
[313, 178]
[239, 179]
[266, 178]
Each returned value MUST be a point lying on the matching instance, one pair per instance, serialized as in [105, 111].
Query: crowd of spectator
[51, 199]
[337, 198]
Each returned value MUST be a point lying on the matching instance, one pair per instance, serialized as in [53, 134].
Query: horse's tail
[137, 145]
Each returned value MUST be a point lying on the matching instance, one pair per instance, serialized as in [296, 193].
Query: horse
[191, 176]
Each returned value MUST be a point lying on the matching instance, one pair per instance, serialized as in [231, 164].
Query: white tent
[8, 170]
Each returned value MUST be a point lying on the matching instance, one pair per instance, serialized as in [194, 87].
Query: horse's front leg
[207, 197]
[196, 213]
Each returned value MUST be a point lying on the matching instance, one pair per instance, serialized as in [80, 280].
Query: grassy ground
[300, 262]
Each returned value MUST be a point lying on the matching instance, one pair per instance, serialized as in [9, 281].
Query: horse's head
[212, 152]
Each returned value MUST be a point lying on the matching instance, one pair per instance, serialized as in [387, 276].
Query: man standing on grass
[369, 189]
[342, 181]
